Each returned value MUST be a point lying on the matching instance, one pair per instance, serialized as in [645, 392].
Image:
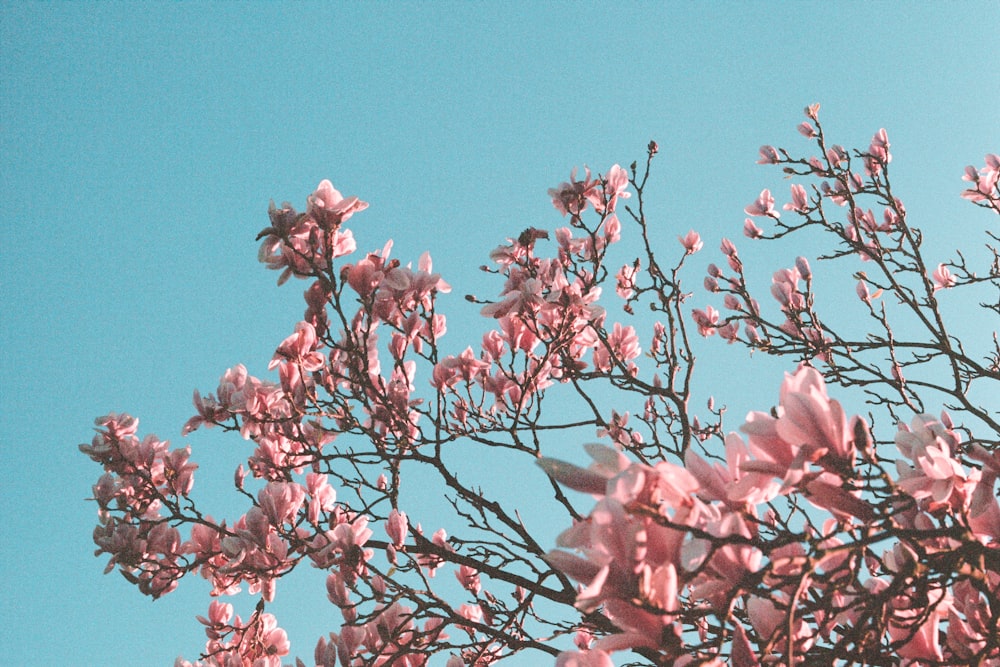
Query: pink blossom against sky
[140, 144]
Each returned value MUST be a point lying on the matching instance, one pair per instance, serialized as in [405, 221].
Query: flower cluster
[302, 244]
[548, 320]
[143, 480]
[985, 189]
[665, 545]
[259, 642]
[800, 539]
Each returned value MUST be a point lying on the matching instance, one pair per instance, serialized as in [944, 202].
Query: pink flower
[219, 613]
[625, 280]
[300, 348]
[615, 186]
[280, 501]
[178, 471]
[623, 343]
[751, 230]
[274, 639]
[769, 155]
[809, 416]
[468, 577]
[800, 201]
[730, 331]
[322, 496]
[943, 278]
[808, 427]
[934, 473]
[728, 248]
[465, 367]
[802, 266]
[706, 320]
[612, 229]
[572, 197]
[763, 206]
[862, 290]
[985, 180]
[329, 205]
[835, 155]
[691, 242]
[396, 527]
[729, 483]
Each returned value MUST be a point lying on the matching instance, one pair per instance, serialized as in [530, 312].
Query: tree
[806, 537]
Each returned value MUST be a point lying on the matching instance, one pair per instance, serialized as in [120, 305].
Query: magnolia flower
[942, 278]
[691, 242]
[769, 155]
[763, 206]
[751, 230]
[800, 201]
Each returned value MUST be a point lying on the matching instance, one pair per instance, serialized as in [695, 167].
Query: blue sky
[140, 144]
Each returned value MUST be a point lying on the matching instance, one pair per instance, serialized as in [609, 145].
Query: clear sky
[140, 144]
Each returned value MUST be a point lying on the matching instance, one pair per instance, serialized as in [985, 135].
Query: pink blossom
[866, 219]
[800, 201]
[322, 496]
[835, 155]
[923, 644]
[785, 290]
[862, 291]
[396, 527]
[622, 342]
[807, 427]
[985, 180]
[807, 130]
[209, 411]
[729, 331]
[809, 416]
[706, 320]
[751, 230]
[466, 366]
[769, 155]
[615, 186]
[934, 473]
[802, 266]
[300, 348]
[274, 640]
[468, 577]
[178, 471]
[625, 280]
[572, 197]
[219, 613]
[328, 204]
[728, 248]
[943, 279]
[878, 153]
[763, 206]
[280, 501]
[691, 242]
[729, 483]
[612, 229]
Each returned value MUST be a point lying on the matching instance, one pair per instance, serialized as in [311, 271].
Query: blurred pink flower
[942, 278]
